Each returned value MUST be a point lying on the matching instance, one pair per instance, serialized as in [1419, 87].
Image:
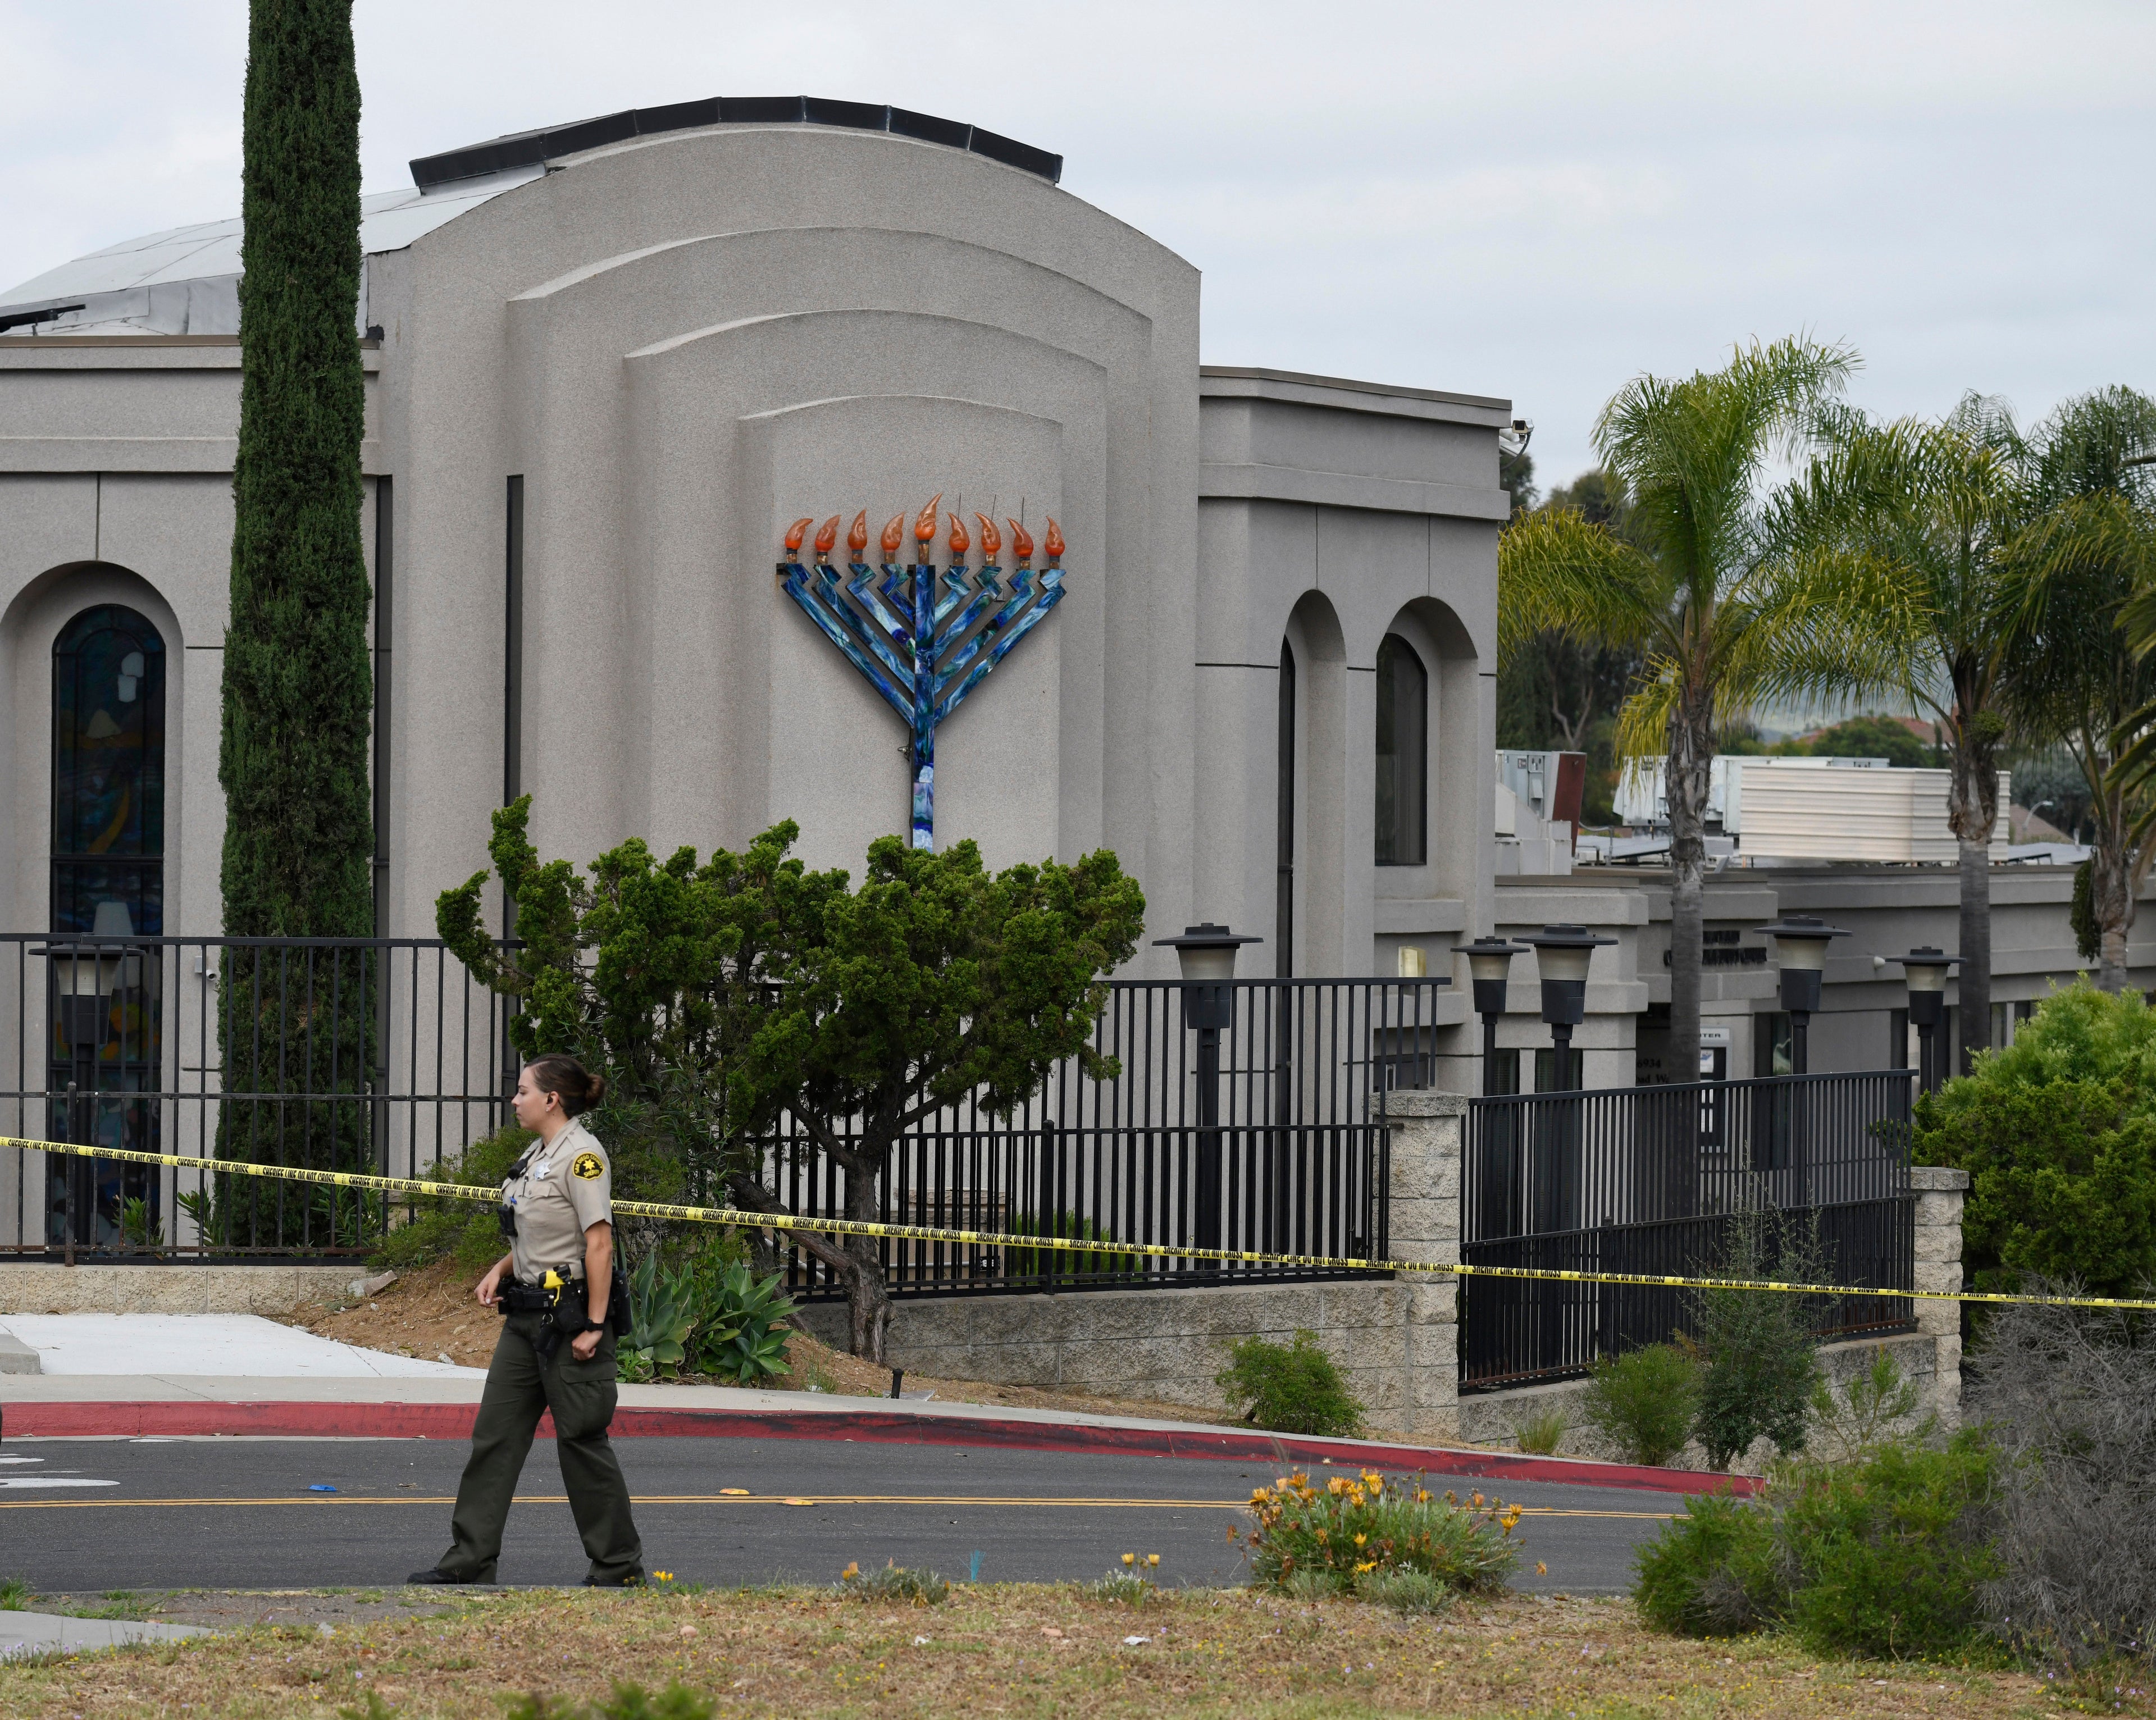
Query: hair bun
[561, 1075]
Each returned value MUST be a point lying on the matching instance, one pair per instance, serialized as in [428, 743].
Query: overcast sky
[1532, 200]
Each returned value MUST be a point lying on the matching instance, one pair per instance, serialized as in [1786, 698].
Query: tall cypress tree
[298, 687]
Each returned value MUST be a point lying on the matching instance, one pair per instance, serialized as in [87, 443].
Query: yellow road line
[780, 1499]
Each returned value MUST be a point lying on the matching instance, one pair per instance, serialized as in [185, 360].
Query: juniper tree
[298, 691]
[752, 1015]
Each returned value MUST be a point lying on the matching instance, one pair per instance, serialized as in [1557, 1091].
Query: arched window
[1402, 754]
[109, 775]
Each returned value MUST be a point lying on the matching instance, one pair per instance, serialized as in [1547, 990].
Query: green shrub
[1717, 1571]
[1890, 1554]
[440, 1227]
[895, 1584]
[1644, 1401]
[1870, 1409]
[1289, 1388]
[2058, 1134]
[737, 1334]
[1358, 1533]
[1885, 1557]
[661, 1316]
[1761, 1353]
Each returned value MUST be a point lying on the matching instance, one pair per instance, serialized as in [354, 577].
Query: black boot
[434, 1574]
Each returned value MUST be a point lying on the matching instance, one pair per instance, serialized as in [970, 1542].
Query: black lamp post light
[1489, 959]
[1564, 954]
[1207, 953]
[1801, 946]
[1928, 970]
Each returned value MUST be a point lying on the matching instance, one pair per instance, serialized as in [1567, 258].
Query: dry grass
[1011, 1649]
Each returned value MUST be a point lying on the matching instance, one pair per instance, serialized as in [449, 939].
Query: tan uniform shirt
[566, 1189]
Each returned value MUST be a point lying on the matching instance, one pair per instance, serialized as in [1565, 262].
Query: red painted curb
[453, 1422]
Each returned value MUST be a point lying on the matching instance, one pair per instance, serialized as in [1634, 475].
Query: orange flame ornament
[992, 541]
[1021, 543]
[795, 532]
[924, 527]
[827, 538]
[893, 534]
[1052, 545]
[857, 539]
[960, 542]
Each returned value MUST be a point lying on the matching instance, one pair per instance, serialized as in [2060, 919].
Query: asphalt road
[92, 1515]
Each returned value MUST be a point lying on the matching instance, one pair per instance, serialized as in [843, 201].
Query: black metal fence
[1290, 1156]
[1657, 1179]
[1262, 1131]
[375, 1054]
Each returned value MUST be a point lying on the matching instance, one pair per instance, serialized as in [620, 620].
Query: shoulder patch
[587, 1165]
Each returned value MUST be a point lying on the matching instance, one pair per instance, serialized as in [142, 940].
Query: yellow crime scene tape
[997, 1239]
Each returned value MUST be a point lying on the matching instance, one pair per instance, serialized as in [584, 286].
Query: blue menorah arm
[829, 602]
[797, 588]
[998, 623]
[1021, 594]
[1050, 597]
[886, 624]
[954, 593]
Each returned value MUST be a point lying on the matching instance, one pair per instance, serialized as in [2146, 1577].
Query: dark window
[109, 775]
[108, 884]
[1549, 1077]
[1402, 754]
[1284, 833]
[1505, 1071]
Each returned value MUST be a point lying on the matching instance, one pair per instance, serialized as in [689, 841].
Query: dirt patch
[1010, 1650]
[432, 1314]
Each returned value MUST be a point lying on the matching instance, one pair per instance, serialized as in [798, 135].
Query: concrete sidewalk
[78, 1346]
[44, 1633]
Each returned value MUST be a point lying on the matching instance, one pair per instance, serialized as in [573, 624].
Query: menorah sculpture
[921, 649]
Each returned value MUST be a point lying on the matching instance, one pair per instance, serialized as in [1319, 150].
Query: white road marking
[22, 1459]
[43, 1481]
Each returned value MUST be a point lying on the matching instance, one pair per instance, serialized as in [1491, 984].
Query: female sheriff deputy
[557, 1350]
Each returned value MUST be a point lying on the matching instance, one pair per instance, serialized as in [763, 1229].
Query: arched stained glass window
[109, 775]
[108, 884]
[1402, 754]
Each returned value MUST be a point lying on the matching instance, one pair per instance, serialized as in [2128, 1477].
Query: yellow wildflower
[1153, 1559]
[1360, 1539]
[1130, 1558]
[851, 1571]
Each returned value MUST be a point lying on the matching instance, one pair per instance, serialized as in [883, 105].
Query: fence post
[1939, 1194]
[1425, 1203]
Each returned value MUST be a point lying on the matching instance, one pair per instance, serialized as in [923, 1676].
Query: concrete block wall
[1940, 1195]
[1396, 1342]
[39, 1288]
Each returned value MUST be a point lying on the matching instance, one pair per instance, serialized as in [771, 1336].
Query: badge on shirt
[587, 1165]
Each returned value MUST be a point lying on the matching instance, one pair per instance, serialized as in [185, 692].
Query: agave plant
[660, 1318]
[738, 1336]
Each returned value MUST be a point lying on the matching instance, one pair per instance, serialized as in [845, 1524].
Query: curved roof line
[531, 149]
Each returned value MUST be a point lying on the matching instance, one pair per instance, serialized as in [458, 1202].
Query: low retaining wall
[39, 1288]
[1397, 1342]
[1165, 1345]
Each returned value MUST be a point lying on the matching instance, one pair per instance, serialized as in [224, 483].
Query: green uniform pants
[518, 1391]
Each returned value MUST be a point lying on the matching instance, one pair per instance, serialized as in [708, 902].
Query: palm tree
[1694, 588]
[2084, 583]
[1912, 519]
